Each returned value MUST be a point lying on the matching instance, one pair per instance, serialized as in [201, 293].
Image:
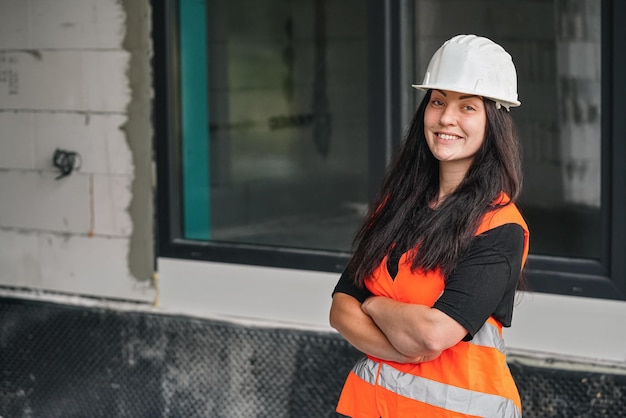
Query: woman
[437, 261]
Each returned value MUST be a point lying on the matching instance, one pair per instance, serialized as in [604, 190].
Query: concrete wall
[74, 75]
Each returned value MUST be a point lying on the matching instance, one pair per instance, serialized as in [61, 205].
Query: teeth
[448, 137]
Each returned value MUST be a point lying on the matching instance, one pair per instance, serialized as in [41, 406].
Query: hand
[422, 359]
[368, 302]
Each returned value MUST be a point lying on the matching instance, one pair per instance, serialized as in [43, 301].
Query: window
[561, 55]
[275, 121]
[268, 123]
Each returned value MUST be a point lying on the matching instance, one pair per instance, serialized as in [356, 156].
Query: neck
[450, 176]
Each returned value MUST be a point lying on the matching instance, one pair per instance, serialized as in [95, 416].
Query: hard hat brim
[505, 102]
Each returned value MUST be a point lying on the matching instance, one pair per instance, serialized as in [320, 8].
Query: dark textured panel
[66, 361]
[563, 394]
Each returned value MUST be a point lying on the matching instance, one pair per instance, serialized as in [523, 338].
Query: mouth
[447, 137]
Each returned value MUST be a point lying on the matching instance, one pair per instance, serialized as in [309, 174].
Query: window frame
[381, 18]
[387, 46]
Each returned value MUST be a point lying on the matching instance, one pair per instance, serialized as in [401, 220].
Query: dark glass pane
[287, 122]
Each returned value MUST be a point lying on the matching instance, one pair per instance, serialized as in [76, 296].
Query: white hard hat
[474, 65]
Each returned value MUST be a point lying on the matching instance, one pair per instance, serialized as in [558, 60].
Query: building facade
[182, 179]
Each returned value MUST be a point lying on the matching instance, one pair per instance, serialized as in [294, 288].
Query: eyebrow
[467, 96]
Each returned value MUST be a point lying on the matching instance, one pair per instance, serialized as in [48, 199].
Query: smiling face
[454, 126]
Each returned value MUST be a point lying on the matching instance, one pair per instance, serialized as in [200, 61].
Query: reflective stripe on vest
[489, 336]
[434, 393]
[452, 398]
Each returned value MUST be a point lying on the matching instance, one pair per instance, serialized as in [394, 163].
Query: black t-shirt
[482, 285]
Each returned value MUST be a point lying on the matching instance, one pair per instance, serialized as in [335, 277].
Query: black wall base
[67, 361]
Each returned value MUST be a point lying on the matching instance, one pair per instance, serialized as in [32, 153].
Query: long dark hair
[401, 216]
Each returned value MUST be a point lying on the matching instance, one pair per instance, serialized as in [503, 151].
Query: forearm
[358, 328]
[415, 330]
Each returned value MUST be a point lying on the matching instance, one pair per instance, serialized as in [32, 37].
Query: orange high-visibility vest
[470, 379]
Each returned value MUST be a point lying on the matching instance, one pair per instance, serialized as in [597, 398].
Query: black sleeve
[346, 285]
[484, 282]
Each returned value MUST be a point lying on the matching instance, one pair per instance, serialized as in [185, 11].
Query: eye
[436, 102]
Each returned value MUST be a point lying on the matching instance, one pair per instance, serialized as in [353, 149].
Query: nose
[447, 116]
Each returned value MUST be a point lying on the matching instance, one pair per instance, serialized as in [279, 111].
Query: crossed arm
[395, 331]
[483, 284]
